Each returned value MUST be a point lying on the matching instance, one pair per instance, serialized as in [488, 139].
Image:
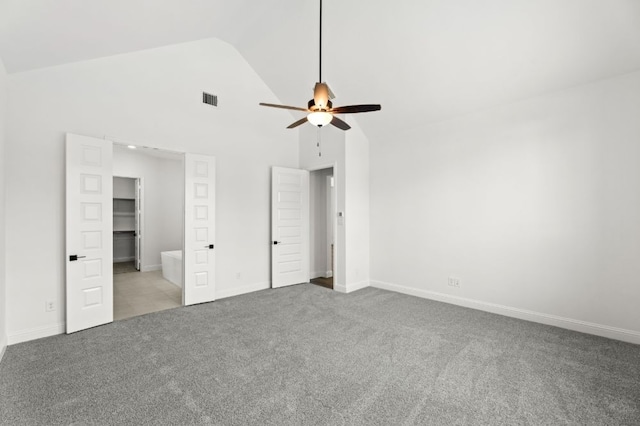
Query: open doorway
[90, 164]
[148, 194]
[322, 212]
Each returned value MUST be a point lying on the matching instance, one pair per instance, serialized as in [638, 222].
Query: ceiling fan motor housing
[313, 106]
[321, 96]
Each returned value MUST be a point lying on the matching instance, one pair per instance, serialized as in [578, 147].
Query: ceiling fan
[320, 109]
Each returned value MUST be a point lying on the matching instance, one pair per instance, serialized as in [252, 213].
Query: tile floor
[139, 293]
[122, 267]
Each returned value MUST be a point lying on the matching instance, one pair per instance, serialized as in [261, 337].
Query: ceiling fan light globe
[320, 118]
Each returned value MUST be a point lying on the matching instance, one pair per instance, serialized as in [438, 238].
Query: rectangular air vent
[210, 99]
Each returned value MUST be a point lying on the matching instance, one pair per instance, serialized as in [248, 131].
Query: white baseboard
[237, 291]
[328, 274]
[348, 288]
[3, 346]
[60, 328]
[36, 333]
[568, 323]
[151, 268]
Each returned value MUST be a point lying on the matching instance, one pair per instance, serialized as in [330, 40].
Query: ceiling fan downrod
[320, 49]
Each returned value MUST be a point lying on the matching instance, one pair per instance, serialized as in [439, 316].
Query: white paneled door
[199, 229]
[138, 225]
[89, 232]
[289, 226]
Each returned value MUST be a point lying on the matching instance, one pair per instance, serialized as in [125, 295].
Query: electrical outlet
[453, 282]
[50, 306]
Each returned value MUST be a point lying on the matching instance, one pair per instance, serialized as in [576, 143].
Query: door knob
[210, 246]
[277, 242]
[75, 257]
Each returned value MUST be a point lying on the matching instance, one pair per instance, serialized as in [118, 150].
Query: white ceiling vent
[210, 99]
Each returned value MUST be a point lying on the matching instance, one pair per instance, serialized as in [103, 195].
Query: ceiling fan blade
[352, 109]
[284, 107]
[339, 123]
[297, 123]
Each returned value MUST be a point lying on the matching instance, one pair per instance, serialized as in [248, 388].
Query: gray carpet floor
[308, 355]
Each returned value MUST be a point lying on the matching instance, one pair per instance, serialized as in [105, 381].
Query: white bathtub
[172, 266]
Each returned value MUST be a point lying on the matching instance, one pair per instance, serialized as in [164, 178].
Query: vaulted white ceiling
[423, 60]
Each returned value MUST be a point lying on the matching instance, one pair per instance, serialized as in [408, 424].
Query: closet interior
[125, 224]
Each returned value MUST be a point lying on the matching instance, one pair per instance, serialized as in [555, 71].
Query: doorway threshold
[323, 282]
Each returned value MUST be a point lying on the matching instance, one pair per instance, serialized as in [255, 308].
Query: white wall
[348, 151]
[357, 207]
[163, 201]
[154, 98]
[534, 206]
[3, 298]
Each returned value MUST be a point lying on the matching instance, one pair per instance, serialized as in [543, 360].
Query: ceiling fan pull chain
[318, 144]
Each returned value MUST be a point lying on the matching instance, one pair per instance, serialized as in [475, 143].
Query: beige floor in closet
[139, 293]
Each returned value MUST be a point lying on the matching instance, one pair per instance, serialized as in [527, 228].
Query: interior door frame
[336, 247]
